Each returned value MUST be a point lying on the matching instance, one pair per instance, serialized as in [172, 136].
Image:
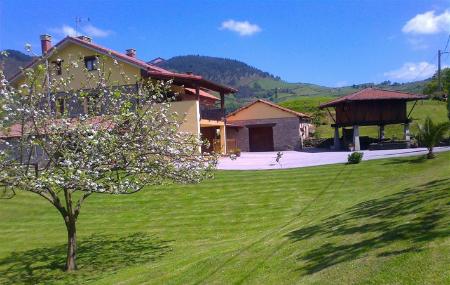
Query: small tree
[127, 138]
[430, 134]
[432, 87]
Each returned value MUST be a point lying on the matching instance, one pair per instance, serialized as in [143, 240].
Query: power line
[432, 59]
[440, 53]
[445, 49]
[446, 45]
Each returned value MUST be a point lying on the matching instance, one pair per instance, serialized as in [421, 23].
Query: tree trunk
[71, 264]
[430, 153]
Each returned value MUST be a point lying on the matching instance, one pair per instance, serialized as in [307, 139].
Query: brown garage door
[261, 138]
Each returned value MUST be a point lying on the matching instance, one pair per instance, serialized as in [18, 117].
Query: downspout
[222, 107]
[197, 93]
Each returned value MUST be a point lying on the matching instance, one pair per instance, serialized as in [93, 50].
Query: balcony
[215, 114]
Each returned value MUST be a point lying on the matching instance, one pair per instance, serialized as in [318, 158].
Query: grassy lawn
[379, 222]
[437, 110]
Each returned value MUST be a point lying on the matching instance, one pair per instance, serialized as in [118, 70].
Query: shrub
[355, 157]
[430, 134]
[235, 152]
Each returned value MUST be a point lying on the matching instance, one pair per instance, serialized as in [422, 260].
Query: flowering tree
[126, 137]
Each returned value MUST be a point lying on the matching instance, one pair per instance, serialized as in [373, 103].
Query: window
[60, 106]
[90, 62]
[91, 105]
[57, 65]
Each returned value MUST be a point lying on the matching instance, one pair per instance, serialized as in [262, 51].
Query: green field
[437, 110]
[379, 222]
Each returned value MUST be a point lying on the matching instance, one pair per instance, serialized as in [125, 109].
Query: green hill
[253, 83]
[12, 61]
[222, 70]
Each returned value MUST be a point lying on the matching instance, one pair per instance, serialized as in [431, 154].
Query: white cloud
[411, 71]
[243, 28]
[418, 43]
[428, 23]
[64, 31]
[88, 30]
[95, 32]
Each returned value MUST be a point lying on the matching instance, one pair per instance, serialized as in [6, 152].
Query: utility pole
[439, 71]
[78, 21]
[440, 53]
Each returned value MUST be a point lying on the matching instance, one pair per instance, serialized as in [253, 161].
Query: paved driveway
[311, 157]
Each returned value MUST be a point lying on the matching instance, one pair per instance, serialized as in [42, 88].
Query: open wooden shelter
[371, 107]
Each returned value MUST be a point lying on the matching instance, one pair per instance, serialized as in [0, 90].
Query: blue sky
[332, 43]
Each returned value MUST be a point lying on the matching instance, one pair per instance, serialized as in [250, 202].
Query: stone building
[265, 126]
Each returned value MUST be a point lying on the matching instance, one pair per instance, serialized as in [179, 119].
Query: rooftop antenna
[78, 21]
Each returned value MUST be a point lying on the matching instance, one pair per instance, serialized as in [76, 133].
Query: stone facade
[286, 132]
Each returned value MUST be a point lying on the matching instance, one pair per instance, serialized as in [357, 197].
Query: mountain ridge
[251, 82]
[12, 60]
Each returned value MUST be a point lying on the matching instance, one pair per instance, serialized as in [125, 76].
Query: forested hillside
[12, 60]
[226, 71]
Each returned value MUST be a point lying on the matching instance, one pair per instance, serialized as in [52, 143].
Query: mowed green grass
[437, 110]
[379, 222]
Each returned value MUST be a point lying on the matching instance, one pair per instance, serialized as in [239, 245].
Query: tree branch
[80, 201]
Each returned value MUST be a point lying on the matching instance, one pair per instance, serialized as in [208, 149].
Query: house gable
[259, 110]
[72, 51]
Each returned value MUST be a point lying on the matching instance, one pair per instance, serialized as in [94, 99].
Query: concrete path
[311, 157]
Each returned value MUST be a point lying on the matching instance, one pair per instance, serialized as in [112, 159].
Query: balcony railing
[216, 114]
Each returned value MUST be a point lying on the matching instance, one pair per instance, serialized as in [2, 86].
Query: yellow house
[204, 113]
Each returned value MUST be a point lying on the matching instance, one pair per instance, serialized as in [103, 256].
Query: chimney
[131, 52]
[85, 38]
[46, 43]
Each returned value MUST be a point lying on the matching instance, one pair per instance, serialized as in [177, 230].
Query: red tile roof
[370, 94]
[202, 93]
[15, 130]
[152, 70]
[298, 114]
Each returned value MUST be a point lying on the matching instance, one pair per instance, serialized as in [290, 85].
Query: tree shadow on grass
[412, 160]
[98, 255]
[379, 226]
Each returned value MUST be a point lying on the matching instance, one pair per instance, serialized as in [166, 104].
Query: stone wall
[286, 133]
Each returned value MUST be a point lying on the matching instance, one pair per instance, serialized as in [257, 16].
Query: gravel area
[309, 157]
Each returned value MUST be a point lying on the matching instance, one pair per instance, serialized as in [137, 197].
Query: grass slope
[379, 222]
[279, 91]
[437, 110]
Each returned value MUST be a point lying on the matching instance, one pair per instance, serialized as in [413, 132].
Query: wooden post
[336, 143]
[197, 92]
[356, 144]
[222, 101]
[406, 134]
[381, 133]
